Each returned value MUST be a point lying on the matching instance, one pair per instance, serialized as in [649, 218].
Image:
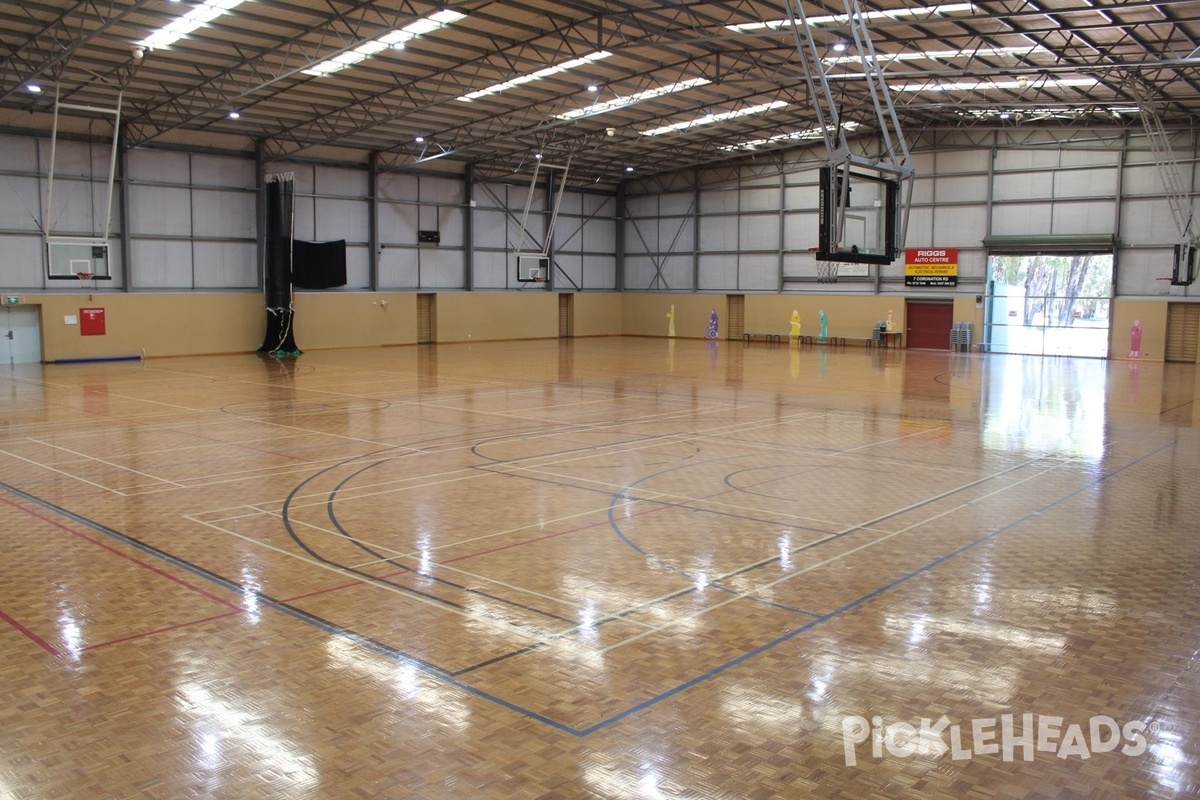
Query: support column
[469, 227]
[123, 209]
[551, 277]
[373, 220]
[260, 212]
[619, 237]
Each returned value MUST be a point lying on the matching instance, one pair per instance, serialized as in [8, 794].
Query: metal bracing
[53, 45]
[100, 237]
[895, 160]
[252, 60]
[545, 248]
[1175, 186]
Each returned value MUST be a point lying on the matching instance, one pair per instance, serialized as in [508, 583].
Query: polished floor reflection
[609, 568]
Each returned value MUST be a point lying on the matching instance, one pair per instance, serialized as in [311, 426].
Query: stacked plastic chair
[961, 335]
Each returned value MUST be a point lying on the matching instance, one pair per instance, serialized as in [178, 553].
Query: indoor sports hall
[547, 399]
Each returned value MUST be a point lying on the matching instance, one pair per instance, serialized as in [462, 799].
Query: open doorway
[1049, 304]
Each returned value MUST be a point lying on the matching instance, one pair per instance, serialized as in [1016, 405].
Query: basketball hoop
[827, 271]
[1164, 285]
[85, 276]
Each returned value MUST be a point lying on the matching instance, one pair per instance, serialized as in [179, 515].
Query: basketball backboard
[858, 217]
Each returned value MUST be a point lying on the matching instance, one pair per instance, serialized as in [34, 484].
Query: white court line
[367, 581]
[86, 457]
[496, 468]
[65, 474]
[759, 589]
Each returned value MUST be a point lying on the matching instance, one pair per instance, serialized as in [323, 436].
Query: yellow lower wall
[1152, 314]
[197, 323]
[645, 314]
[355, 319]
[156, 324]
[597, 314]
[482, 316]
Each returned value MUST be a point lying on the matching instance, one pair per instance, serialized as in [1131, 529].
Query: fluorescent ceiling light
[1045, 111]
[975, 86]
[628, 100]
[809, 133]
[941, 55]
[842, 19]
[545, 72]
[397, 39]
[709, 119]
[180, 27]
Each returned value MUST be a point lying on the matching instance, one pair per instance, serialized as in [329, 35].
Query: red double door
[928, 325]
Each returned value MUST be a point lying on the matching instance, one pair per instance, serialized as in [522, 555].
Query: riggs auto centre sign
[931, 267]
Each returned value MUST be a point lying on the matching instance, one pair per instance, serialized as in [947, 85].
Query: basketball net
[827, 271]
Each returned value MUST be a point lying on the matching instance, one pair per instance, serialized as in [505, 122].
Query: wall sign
[934, 266]
[91, 322]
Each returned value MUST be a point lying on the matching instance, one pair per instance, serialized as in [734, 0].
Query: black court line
[450, 679]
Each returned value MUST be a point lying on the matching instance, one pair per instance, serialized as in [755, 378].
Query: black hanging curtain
[318, 265]
[277, 280]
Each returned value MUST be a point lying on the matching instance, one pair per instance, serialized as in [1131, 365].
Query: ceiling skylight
[941, 55]
[628, 100]
[709, 119]
[1018, 84]
[545, 72]
[842, 19]
[809, 133]
[396, 39]
[180, 27]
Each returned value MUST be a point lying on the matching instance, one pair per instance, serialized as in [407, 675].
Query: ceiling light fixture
[394, 39]
[180, 27]
[33, 88]
[842, 19]
[976, 86]
[235, 114]
[591, 87]
[810, 133]
[497, 88]
[628, 100]
[940, 55]
[419, 140]
[710, 118]
[839, 47]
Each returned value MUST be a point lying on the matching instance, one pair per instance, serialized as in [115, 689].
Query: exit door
[20, 336]
[929, 325]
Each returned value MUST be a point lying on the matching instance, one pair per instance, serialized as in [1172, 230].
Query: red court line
[366, 581]
[125, 556]
[167, 629]
[33, 637]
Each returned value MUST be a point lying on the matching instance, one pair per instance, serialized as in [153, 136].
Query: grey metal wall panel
[213, 170]
[162, 264]
[156, 210]
[159, 166]
[229, 214]
[225, 265]
[20, 203]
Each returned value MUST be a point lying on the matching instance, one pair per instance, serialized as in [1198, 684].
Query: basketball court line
[771, 584]
[117, 492]
[379, 648]
[370, 580]
[86, 458]
[553, 535]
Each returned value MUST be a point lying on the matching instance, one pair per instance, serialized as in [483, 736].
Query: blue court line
[388, 652]
[291, 611]
[865, 598]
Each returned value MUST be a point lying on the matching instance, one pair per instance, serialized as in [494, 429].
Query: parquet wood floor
[606, 568]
